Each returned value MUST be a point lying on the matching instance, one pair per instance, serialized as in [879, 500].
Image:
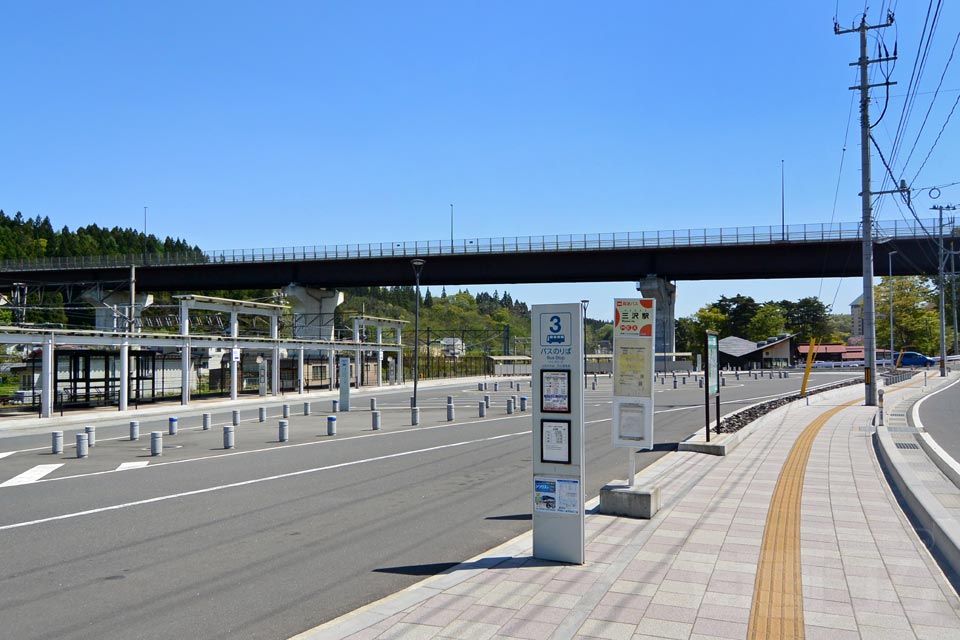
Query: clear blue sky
[256, 124]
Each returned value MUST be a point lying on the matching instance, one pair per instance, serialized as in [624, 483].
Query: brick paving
[690, 571]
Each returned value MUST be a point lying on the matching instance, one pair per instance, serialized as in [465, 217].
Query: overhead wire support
[866, 199]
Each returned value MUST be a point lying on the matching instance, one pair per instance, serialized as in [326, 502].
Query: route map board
[633, 361]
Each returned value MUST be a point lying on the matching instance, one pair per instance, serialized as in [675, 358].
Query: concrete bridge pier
[112, 310]
[665, 293]
[312, 311]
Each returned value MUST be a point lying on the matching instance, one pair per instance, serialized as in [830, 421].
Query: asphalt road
[938, 413]
[274, 538]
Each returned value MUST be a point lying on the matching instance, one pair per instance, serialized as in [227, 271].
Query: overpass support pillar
[312, 311]
[300, 372]
[124, 375]
[275, 356]
[112, 310]
[234, 363]
[665, 293]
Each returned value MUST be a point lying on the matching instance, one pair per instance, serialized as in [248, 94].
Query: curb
[925, 509]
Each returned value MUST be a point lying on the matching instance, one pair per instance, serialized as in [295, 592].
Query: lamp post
[417, 268]
[890, 276]
[583, 305]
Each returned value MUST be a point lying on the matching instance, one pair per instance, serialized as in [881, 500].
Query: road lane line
[32, 475]
[244, 483]
[133, 465]
[4, 454]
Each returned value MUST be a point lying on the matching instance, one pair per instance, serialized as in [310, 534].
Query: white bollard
[207, 418]
[483, 409]
[174, 423]
[56, 446]
[523, 403]
[331, 425]
[414, 416]
[228, 436]
[156, 443]
[91, 436]
[236, 417]
[306, 408]
[286, 411]
[373, 404]
[335, 406]
[82, 445]
[450, 412]
[509, 405]
[486, 401]
[375, 420]
[134, 430]
[284, 434]
[263, 414]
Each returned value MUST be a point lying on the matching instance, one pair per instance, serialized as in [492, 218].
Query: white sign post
[344, 383]
[558, 449]
[633, 362]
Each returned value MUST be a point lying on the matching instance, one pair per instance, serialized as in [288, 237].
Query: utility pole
[866, 195]
[941, 261]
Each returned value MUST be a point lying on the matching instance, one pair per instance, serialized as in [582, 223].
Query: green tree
[916, 319]
[768, 321]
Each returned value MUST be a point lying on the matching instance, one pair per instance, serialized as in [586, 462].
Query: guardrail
[805, 233]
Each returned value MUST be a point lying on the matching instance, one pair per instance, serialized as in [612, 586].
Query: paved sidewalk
[691, 571]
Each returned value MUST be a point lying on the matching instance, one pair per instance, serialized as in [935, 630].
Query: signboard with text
[558, 445]
[633, 361]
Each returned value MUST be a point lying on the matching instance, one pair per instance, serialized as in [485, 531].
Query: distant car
[913, 359]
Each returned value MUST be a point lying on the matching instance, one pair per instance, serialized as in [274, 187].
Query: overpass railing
[824, 232]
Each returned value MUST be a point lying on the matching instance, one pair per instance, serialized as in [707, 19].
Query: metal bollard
[134, 430]
[174, 423]
[511, 384]
[412, 402]
[414, 416]
[306, 408]
[284, 434]
[228, 436]
[56, 446]
[479, 386]
[286, 411]
[449, 399]
[684, 379]
[509, 405]
[156, 443]
[496, 386]
[263, 414]
[482, 406]
[331, 425]
[700, 382]
[375, 420]
[515, 403]
[207, 419]
[373, 404]
[484, 386]
[236, 417]
[593, 386]
[737, 375]
[486, 401]
[82, 445]
[450, 412]
[674, 383]
[523, 403]
[336, 406]
[91, 436]
[723, 382]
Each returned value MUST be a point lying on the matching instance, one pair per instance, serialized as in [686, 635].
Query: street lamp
[583, 305]
[417, 268]
[890, 276]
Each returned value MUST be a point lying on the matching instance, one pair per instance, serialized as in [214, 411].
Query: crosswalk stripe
[32, 475]
[133, 465]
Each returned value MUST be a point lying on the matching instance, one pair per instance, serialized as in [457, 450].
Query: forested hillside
[36, 238]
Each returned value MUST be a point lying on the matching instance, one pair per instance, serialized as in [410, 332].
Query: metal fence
[806, 233]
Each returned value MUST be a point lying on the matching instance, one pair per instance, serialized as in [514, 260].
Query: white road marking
[133, 465]
[244, 483]
[4, 454]
[32, 475]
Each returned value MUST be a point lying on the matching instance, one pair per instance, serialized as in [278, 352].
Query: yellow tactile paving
[777, 610]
